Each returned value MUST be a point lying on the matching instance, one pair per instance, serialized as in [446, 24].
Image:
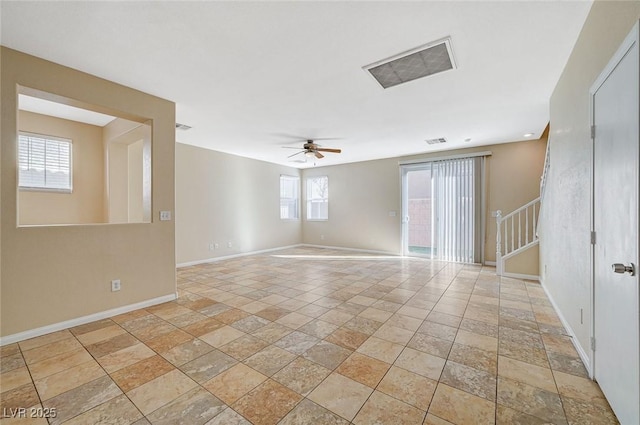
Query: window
[289, 198]
[44, 162]
[318, 198]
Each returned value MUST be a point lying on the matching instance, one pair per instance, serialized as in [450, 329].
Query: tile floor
[315, 336]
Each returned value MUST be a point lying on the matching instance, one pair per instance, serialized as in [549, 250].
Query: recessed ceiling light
[468, 139]
[528, 134]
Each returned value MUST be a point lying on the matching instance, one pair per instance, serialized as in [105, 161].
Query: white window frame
[311, 200]
[45, 188]
[287, 178]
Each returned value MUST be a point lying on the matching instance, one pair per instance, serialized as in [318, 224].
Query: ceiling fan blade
[288, 147]
[329, 150]
[297, 153]
[318, 155]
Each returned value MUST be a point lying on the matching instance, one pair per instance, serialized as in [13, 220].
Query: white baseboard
[490, 263]
[583, 354]
[521, 276]
[240, 254]
[21, 336]
[342, 248]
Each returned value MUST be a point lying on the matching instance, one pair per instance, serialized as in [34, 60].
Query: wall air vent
[422, 61]
[182, 127]
[436, 141]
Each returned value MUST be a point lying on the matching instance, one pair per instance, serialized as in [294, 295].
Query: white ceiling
[250, 77]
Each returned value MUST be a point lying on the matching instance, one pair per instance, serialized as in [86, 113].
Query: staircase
[516, 233]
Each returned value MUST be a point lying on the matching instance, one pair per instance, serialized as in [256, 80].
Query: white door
[615, 100]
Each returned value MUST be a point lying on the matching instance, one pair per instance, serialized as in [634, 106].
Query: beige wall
[68, 269]
[222, 198]
[134, 173]
[127, 146]
[565, 250]
[85, 203]
[361, 196]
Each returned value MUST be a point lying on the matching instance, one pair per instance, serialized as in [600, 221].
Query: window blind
[44, 162]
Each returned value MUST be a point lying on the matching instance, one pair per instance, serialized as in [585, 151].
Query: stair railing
[515, 232]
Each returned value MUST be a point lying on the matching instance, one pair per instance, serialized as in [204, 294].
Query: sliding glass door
[442, 204]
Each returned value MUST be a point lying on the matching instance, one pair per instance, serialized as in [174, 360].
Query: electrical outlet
[115, 285]
[216, 246]
[211, 247]
[229, 245]
[165, 215]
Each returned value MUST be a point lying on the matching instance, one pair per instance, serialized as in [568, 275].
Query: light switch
[392, 213]
[165, 215]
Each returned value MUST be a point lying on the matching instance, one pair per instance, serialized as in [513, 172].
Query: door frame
[414, 164]
[404, 187]
[630, 40]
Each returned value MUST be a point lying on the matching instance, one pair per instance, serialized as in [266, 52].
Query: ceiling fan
[312, 149]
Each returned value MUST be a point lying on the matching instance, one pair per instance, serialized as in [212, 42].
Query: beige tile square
[267, 404]
[376, 314]
[100, 334]
[254, 307]
[363, 369]
[460, 407]
[577, 387]
[39, 341]
[347, 338]
[404, 322]
[393, 334]
[221, 336]
[68, 379]
[380, 349]
[341, 395]
[125, 357]
[421, 363]
[294, 320]
[337, 317]
[473, 381]
[482, 342]
[301, 375]
[14, 378]
[160, 391]
[58, 363]
[409, 387]
[53, 349]
[140, 373]
[234, 383]
[415, 312]
[382, 409]
[531, 400]
[525, 372]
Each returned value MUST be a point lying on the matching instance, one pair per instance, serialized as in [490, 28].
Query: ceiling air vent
[436, 141]
[182, 127]
[420, 62]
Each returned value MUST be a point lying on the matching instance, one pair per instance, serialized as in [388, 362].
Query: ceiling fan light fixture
[309, 154]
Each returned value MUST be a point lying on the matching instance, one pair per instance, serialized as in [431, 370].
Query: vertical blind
[458, 209]
[44, 162]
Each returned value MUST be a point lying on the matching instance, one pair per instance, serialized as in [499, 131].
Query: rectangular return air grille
[417, 63]
[436, 141]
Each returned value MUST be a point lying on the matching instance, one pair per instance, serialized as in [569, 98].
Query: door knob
[621, 268]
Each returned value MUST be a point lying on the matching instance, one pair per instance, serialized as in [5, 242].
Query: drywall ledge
[10, 339]
[56, 274]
